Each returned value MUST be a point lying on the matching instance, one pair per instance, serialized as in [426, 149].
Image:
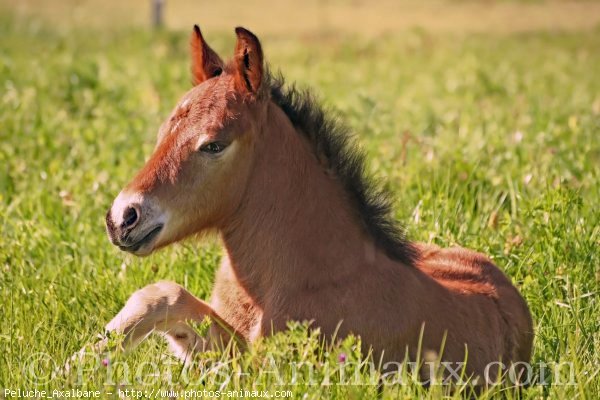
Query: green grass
[488, 141]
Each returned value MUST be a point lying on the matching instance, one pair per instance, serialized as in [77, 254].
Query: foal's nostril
[130, 217]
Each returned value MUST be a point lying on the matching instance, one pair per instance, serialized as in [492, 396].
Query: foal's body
[485, 313]
[302, 241]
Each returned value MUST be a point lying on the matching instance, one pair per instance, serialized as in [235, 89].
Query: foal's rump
[488, 310]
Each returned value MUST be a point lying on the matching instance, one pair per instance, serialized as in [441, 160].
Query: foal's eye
[213, 147]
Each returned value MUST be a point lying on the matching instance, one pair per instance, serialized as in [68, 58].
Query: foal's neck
[295, 230]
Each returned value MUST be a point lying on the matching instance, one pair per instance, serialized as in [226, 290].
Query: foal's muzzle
[132, 225]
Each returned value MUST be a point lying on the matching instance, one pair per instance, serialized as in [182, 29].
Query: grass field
[489, 139]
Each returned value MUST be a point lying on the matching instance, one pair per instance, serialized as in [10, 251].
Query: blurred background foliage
[482, 117]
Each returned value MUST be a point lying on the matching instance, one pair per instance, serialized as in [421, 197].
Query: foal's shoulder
[459, 269]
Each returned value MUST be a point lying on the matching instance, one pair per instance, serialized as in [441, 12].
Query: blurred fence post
[157, 13]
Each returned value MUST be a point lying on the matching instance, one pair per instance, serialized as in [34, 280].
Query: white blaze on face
[182, 108]
[185, 103]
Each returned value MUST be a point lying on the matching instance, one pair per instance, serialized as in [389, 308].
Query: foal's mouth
[148, 238]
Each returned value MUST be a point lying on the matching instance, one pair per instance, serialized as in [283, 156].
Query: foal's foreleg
[166, 308]
[163, 307]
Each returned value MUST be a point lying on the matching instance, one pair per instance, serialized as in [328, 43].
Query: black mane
[333, 143]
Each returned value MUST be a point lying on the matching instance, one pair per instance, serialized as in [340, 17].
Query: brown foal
[306, 236]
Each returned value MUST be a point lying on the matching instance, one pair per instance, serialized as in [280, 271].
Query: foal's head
[197, 175]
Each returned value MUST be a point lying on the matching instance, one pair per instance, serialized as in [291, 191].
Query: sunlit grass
[487, 141]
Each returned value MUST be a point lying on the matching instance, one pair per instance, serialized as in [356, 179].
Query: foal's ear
[205, 62]
[248, 62]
